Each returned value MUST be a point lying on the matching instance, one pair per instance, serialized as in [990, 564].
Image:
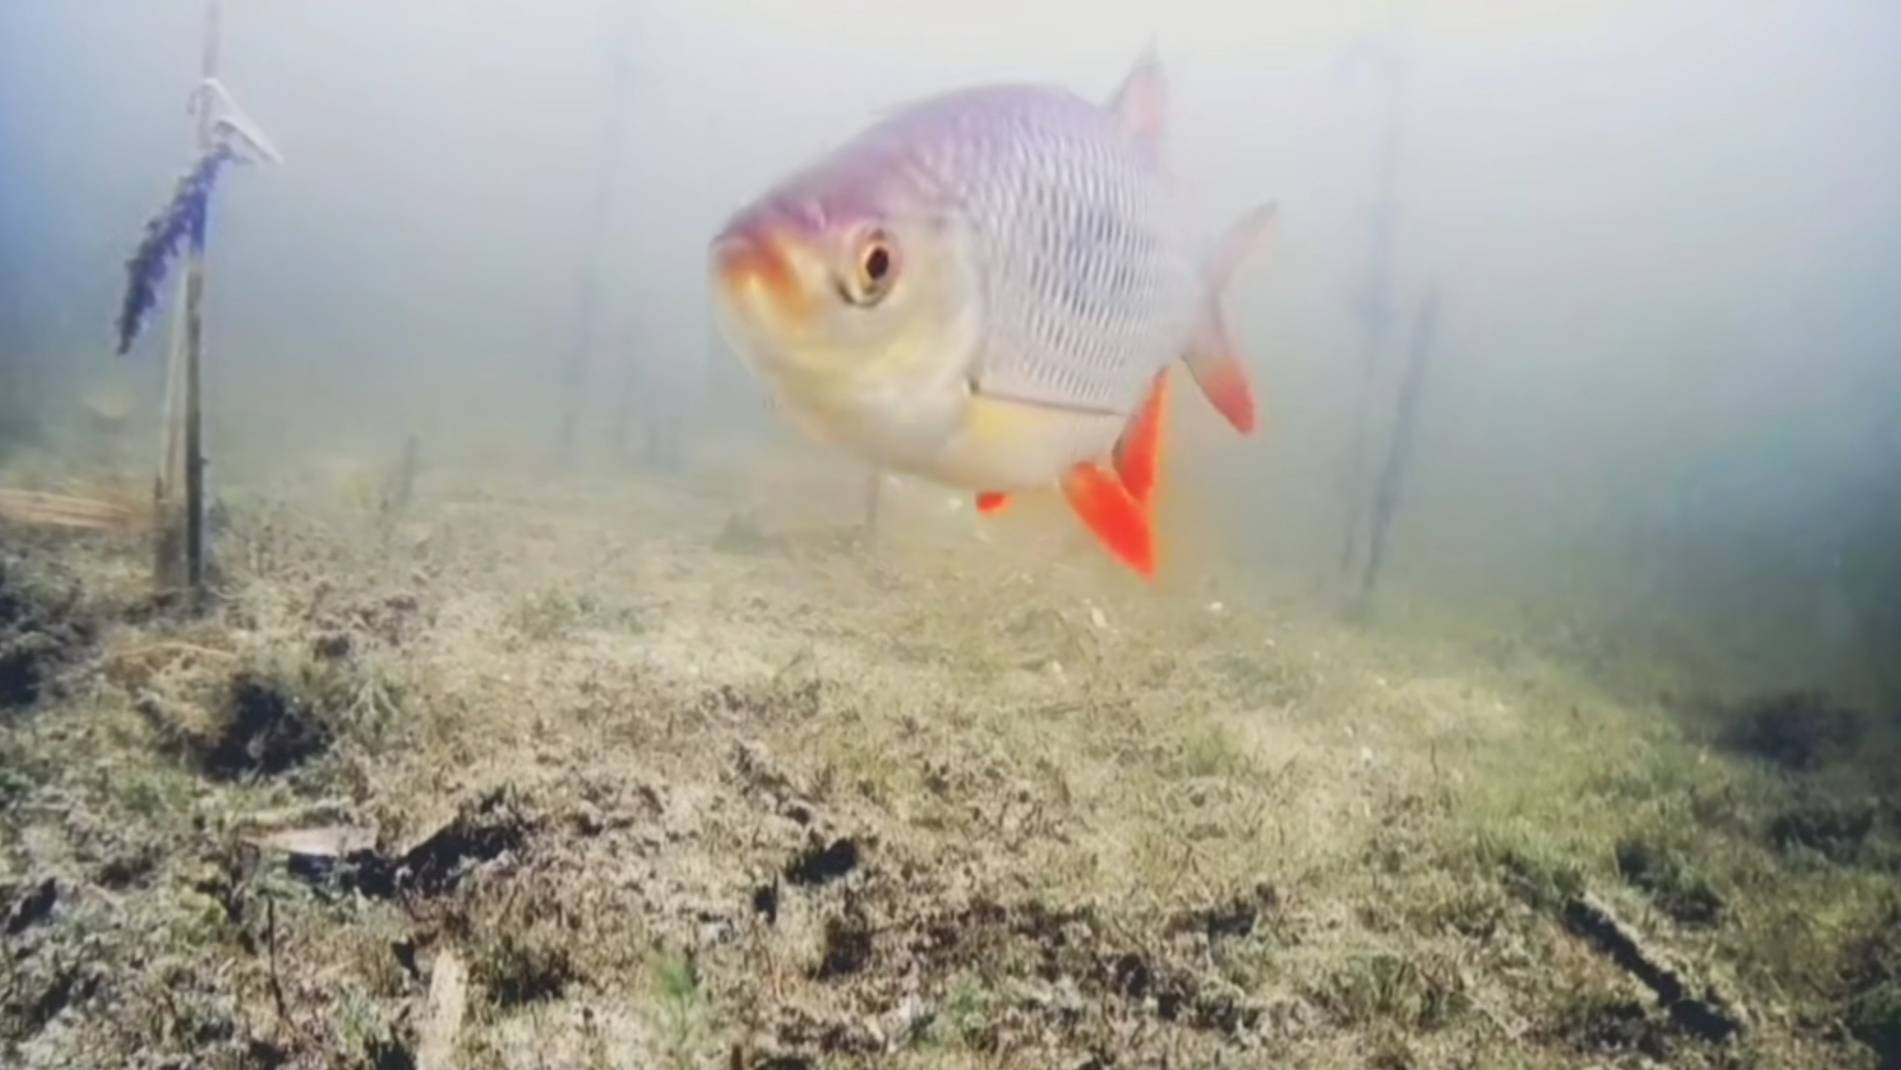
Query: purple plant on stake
[234, 139]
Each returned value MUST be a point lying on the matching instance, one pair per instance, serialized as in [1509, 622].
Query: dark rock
[389, 1055]
[268, 731]
[1874, 1018]
[331, 646]
[1701, 1015]
[1612, 1026]
[39, 631]
[1796, 730]
[1236, 917]
[1688, 899]
[1834, 830]
[492, 827]
[765, 901]
[847, 948]
[35, 905]
[822, 863]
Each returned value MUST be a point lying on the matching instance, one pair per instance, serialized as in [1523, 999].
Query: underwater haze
[1665, 236]
[1647, 441]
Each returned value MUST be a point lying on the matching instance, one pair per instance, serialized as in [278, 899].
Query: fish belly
[1008, 445]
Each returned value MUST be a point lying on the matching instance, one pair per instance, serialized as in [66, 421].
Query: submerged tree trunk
[574, 371]
[1375, 299]
[1399, 448]
[629, 401]
[406, 470]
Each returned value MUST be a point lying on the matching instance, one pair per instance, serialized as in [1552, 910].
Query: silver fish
[987, 289]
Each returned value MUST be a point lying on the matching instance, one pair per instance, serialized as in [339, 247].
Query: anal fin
[1112, 513]
[992, 502]
[1138, 455]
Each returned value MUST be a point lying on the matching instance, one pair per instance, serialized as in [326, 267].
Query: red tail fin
[1211, 356]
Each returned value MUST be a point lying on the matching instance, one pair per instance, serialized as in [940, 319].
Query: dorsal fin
[1141, 101]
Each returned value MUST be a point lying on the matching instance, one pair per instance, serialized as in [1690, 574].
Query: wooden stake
[184, 460]
[195, 342]
[1399, 448]
[194, 424]
[574, 371]
[1375, 295]
[168, 541]
[406, 473]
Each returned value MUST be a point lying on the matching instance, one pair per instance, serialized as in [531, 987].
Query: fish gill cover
[185, 214]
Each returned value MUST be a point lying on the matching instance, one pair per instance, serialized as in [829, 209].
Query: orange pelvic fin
[1113, 514]
[992, 502]
[1138, 455]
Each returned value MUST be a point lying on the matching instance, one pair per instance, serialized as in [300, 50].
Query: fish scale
[1082, 315]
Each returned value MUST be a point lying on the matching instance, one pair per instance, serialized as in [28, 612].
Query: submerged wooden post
[1400, 448]
[406, 470]
[184, 460]
[399, 487]
[628, 402]
[574, 370]
[195, 423]
[1376, 287]
[195, 339]
[168, 528]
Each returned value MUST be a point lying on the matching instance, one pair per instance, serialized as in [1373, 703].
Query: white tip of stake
[261, 147]
[231, 122]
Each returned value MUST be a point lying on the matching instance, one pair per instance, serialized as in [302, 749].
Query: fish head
[850, 286]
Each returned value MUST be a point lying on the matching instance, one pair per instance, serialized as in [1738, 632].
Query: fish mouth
[753, 262]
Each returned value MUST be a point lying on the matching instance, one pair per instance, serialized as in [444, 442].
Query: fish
[988, 288]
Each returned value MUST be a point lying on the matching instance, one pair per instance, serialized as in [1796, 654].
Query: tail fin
[1211, 357]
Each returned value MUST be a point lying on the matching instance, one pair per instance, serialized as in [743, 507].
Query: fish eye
[874, 271]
